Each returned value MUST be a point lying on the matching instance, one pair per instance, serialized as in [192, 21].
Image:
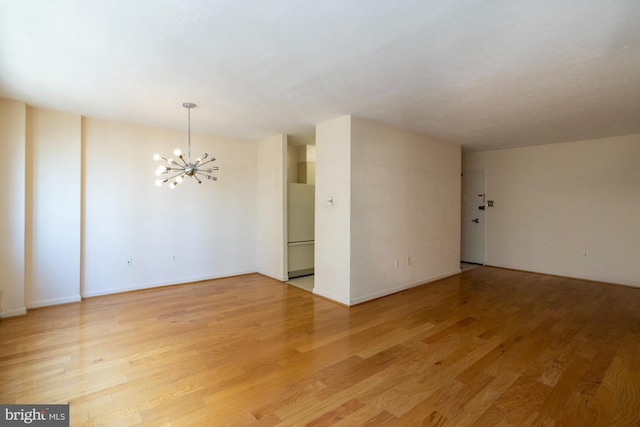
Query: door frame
[479, 176]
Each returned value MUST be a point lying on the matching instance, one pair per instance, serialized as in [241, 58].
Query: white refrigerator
[300, 228]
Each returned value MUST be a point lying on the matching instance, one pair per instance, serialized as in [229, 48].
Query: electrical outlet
[129, 262]
[395, 263]
[408, 260]
[585, 254]
[174, 258]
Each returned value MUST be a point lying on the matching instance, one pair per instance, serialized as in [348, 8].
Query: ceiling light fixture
[187, 168]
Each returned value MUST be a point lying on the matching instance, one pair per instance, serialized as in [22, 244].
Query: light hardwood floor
[485, 347]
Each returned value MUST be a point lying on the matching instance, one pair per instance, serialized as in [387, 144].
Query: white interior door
[473, 205]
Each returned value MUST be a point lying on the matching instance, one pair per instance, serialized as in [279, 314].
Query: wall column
[12, 215]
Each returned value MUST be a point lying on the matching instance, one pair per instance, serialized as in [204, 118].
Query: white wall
[53, 207]
[396, 196]
[82, 201]
[553, 202]
[210, 227]
[333, 223]
[271, 207]
[405, 206]
[12, 214]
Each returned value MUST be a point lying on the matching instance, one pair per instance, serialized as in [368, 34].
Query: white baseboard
[572, 275]
[274, 276]
[54, 301]
[142, 286]
[14, 312]
[330, 296]
[393, 290]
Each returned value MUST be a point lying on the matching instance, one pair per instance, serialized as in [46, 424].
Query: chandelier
[185, 167]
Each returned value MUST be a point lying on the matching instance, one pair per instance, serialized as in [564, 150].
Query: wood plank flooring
[486, 347]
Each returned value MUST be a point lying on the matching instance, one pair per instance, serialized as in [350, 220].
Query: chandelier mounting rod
[189, 106]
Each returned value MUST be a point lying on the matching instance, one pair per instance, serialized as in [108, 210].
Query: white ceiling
[486, 74]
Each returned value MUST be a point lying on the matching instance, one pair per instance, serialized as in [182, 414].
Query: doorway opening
[301, 214]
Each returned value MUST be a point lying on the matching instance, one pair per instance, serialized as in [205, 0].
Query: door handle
[477, 220]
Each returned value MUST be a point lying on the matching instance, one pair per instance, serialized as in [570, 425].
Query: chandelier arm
[170, 178]
[208, 176]
[175, 176]
[209, 171]
[208, 161]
